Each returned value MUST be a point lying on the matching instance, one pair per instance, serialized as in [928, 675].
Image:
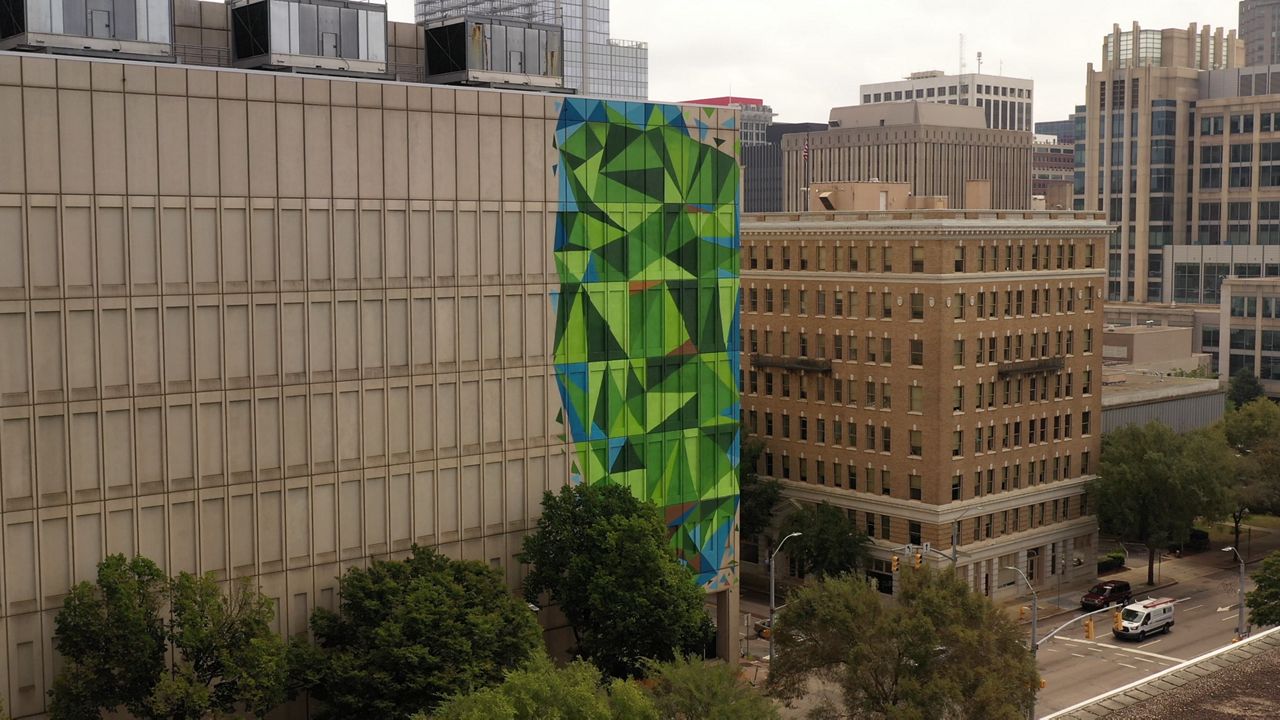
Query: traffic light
[1043, 684]
[1115, 621]
[917, 559]
[895, 564]
[1088, 628]
[1022, 613]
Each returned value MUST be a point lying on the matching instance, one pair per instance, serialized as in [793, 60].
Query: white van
[1144, 618]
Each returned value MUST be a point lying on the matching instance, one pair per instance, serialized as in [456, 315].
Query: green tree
[541, 690]
[687, 688]
[1264, 600]
[602, 555]
[1243, 388]
[1249, 426]
[941, 651]
[411, 633]
[1153, 483]
[830, 542]
[759, 495]
[224, 657]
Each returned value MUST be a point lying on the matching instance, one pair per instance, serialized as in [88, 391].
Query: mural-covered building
[272, 325]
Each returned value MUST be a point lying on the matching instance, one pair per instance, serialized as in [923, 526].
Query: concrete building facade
[935, 148]
[271, 325]
[762, 167]
[1259, 23]
[1136, 167]
[1005, 101]
[932, 372]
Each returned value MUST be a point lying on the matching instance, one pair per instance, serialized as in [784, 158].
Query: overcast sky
[804, 56]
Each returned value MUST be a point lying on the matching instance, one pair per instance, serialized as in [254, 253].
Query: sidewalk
[1170, 571]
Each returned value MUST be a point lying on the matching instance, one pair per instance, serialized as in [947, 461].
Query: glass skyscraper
[612, 68]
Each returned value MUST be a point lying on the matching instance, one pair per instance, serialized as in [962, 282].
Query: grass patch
[1265, 521]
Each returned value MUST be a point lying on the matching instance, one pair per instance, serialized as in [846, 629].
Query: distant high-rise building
[1063, 129]
[1005, 101]
[1051, 164]
[762, 167]
[613, 68]
[935, 148]
[1259, 23]
[754, 117]
[1158, 173]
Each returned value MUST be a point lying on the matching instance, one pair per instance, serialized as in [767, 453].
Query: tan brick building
[935, 148]
[932, 371]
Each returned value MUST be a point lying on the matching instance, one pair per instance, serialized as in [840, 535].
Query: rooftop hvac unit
[120, 28]
[495, 52]
[320, 36]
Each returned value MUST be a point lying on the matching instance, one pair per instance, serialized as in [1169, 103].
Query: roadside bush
[1113, 560]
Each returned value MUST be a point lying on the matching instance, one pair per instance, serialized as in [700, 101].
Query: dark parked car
[1111, 592]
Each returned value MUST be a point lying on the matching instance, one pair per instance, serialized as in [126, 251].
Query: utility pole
[1035, 616]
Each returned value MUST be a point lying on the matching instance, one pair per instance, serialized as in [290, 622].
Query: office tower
[934, 372]
[1052, 167]
[1005, 101]
[1140, 105]
[613, 67]
[762, 167]
[1064, 130]
[272, 325]
[935, 148]
[1259, 23]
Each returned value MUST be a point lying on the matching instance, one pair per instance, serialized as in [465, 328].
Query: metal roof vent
[339, 37]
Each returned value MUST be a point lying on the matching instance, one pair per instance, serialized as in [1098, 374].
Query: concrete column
[728, 619]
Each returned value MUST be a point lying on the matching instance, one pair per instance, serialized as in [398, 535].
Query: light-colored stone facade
[929, 370]
[264, 325]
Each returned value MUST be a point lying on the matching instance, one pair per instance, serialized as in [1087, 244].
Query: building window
[917, 352]
[957, 398]
[886, 351]
[957, 443]
[915, 398]
[884, 527]
[916, 442]
[914, 533]
[917, 259]
[917, 306]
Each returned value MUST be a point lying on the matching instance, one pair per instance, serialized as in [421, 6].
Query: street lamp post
[1240, 595]
[1035, 615]
[955, 534]
[772, 555]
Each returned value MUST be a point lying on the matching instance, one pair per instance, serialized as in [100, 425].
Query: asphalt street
[1076, 669]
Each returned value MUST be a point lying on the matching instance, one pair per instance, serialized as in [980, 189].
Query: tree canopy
[114, 637]
[1153, 483]
[409, 634]
[541, 690]
[1264, 600]
[941, 651]
[1243, 387]
[602, 555]
[830, 542]
[759, 495]
[683, 689]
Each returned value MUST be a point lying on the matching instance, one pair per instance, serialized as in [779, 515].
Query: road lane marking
[1193, 608]
[1077, 654]
[1135, 667]
[1153, 642]
[1125, 649]
[1225, 618]
[1145, 660]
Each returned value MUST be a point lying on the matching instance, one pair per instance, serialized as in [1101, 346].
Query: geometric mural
[647, 348]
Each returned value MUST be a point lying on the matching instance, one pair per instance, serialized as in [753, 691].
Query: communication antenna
[961, 53]
[979, 62]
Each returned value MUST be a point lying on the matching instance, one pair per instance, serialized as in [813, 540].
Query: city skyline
[753, 65]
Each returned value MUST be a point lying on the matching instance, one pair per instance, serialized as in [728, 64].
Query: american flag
[806, 148]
